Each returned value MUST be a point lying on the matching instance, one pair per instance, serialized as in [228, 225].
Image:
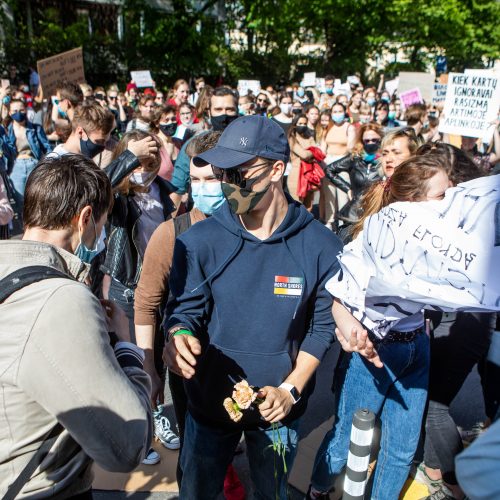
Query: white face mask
[143, 178]
[286, 108]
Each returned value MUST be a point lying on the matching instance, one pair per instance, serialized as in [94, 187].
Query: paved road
[467, 409]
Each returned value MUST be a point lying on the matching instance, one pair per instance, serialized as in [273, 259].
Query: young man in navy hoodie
[248, 303]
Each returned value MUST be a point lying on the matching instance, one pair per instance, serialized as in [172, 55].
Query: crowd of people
[182, 241]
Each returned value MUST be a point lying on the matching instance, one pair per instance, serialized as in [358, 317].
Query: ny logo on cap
[244, 142]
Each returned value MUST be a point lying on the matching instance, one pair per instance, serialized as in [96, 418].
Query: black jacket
[123, 260]
[361, 175]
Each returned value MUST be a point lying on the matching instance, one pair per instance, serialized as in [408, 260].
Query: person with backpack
[72, 393]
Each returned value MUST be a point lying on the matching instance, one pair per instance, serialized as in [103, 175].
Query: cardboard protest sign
[245, 85]
[67, 66]
[442, 254]
[471, 104]
[412, 96]
[392, 85]
[439, 94]
[411, 80]
[142, 79]
[309, 79]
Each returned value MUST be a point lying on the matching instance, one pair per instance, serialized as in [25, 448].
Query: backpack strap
[27, 276]
[9, 285]
[182, 223]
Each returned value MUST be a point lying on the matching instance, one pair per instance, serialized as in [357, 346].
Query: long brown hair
[126, 187]
[410, 182]
[358, 144]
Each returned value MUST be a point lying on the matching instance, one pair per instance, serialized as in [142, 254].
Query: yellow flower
[244, 395]
[233, 410]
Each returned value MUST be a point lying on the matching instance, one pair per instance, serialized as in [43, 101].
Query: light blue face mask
[86, 254]
[62, 113]
[338, 118]
[207, 196]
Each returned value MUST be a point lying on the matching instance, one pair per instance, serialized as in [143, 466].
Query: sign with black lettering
[67, 66]
[441, 255]
[471, 104]
[439, 93]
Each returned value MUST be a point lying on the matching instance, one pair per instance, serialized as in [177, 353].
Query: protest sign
[411, 80]
[442, 254]
[309, 79]
[471, 104]
[320, 84]
[245, 85]
[412, 96]
[439, 94]
[142, 78]
[67, 66]
[392, 85]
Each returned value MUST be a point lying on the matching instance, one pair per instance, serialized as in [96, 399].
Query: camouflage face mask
[243, 200]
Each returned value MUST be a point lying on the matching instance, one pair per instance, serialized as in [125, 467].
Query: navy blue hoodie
[253, 304]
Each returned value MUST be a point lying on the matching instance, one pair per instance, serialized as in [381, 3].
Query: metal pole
[358, 460]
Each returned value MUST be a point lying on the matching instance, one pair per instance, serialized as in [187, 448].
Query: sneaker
[421, 477]
[164, 433]
[442, 493]
[316, 496]
[152, 458]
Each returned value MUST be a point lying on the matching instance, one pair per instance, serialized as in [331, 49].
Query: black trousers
[458, 342]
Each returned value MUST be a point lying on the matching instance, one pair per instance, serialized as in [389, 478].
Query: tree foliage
[270, 37]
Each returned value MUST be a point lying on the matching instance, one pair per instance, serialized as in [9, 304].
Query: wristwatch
[292, 390]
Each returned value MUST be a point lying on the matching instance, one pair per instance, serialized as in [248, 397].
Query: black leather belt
[395, 336]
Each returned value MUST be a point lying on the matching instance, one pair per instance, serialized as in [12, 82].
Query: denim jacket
[36, 137]
[123, 260]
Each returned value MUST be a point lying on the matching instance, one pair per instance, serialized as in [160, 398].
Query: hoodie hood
[297, 217]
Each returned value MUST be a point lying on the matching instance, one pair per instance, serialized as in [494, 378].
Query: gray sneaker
[421, 477]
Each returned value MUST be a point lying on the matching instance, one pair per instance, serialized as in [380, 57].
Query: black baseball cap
[246, 138]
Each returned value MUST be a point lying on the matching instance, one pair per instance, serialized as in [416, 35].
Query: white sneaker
[163, 431]
[152, 458]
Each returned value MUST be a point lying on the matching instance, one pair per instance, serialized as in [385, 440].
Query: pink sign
[412, 96]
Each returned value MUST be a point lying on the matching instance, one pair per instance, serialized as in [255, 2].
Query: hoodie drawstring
[219, 269]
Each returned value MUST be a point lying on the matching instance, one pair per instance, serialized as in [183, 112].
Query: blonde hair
[93, 117]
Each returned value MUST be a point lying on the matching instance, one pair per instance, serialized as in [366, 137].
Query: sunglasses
[371, 141]
[112, 97]
[235, 175]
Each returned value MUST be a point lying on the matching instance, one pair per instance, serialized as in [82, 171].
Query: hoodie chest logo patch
[288, 286]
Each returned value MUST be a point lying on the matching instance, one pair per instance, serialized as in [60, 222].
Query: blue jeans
[397, 394]
[20, 173]
[208, 451]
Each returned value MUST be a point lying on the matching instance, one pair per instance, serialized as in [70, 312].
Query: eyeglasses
[235, 175]
[187, 113]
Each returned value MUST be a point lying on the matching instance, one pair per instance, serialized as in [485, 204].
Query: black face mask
[169, 130]
[296, 111]
[304, 131]
[371, 147]
[219, 123]
[90, 149]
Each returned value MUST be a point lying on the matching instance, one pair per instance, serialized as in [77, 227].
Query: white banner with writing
[471, 104]
[442, 255]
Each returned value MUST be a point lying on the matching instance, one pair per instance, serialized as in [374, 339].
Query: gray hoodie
[57, 366]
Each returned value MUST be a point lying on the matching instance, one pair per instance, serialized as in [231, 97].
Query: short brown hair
[70, 91]
[415, 113]
[59, 188]
[91, 117]
[201, 143]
